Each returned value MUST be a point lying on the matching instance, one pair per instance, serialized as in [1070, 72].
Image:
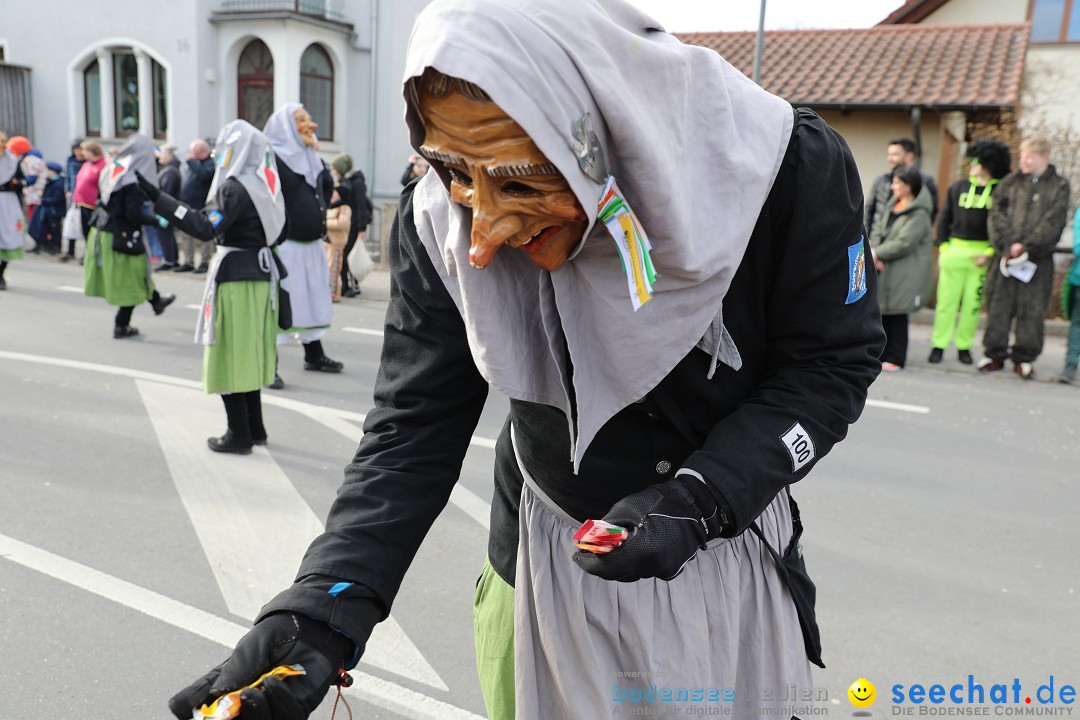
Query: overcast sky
[728, 15]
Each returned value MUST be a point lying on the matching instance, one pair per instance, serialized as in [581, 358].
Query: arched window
[317, 89]
[255, 84]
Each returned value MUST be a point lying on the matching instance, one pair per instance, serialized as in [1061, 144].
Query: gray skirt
[723, 634]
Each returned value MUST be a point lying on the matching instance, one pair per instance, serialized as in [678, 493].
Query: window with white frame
[119, 95]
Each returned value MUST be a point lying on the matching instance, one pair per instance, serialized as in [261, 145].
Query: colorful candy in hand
[227, 706]
[599, 537]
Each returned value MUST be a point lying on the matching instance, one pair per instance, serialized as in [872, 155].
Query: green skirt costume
[123, 280]
[244, 352]
[16, 254]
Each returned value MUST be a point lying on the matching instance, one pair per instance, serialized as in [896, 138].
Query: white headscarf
[137, 153]
[244, 153]
[289, 147]
[695, 147]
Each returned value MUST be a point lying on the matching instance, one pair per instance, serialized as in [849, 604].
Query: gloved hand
[666, 526]
[280, 639]
[152, 191]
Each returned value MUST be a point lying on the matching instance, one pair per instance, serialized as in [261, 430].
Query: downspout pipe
[759, 45]
[916, 133]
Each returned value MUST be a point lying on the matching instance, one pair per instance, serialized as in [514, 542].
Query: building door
[255, 84]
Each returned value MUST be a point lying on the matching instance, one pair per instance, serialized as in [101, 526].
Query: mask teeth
[432, 154]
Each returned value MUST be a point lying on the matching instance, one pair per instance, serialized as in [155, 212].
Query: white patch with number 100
[799, 445]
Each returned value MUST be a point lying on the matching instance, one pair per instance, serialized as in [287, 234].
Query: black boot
[3, 267]
[255, 418]
[237, 439]
[160, 302]
[315, 359]
[278, 383]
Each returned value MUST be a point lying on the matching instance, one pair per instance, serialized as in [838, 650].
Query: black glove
[279, 639]
[666, 525]
[151, 190]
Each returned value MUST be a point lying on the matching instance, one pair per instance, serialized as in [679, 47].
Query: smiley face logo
[862, 693]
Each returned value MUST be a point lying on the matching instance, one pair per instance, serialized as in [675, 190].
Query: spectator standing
[72, 166]
[338, 222]
[12, 220]
[47, 222]
[33, 167]
[85, 194]
[353, 190]
[1031, 207]
[900, 151]
[902, 251]
[196, 184]
[1070, 304]
[964, 249]
[169, 182]
[417, 168]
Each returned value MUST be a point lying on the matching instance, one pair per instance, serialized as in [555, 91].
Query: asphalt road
[941, 533]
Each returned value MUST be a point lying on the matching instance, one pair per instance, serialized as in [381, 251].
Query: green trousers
[493, 630]
[959, 291]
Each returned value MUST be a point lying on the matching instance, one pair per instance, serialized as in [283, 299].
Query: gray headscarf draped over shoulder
[244, 153]
[601, 88]
[137, 153]
[285, 139]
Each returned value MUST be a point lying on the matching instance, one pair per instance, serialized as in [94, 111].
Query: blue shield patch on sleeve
[856, 272]
[215, 217]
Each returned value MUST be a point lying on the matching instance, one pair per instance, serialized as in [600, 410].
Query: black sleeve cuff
[349, 608]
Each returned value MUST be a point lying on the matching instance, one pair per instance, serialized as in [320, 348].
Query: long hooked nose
[490, 231]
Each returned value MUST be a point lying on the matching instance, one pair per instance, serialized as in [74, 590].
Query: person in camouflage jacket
[1031, 207]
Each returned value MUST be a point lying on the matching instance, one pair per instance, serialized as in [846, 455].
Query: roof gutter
[905, 107]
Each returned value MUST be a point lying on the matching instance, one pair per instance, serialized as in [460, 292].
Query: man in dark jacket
[71, 169]
[1030, 210]
[200, 173]
[901, 151]
[353, 192]
[169, 182]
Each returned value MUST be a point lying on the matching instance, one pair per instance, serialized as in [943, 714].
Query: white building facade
[176, 70]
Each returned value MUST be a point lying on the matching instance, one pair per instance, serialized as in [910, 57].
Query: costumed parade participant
[307, 185]
[684, 328]
[238, 326]
[117, 265]
[12, 220]
[964, 249]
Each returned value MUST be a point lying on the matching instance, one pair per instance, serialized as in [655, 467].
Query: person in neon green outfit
[964, 249]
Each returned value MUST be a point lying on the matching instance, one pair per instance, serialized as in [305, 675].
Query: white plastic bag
[72, 224]
[360, 262]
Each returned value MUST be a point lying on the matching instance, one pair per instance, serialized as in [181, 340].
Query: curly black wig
[993, 155]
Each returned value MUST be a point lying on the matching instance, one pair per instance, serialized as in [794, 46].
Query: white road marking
[902, 407]
[251, 522]
[256, 545]
[367, 688]
[362, 331]
[70, 289]
[193, 307]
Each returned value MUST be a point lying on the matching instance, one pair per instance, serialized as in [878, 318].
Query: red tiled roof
[938, 66]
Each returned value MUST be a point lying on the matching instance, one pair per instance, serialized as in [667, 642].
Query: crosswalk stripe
[368, 688]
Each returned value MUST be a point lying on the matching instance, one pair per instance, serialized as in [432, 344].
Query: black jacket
[808, 337]
[197, 184]
[169, 178]
[234, 222]
[305, 206]
[353, 192]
